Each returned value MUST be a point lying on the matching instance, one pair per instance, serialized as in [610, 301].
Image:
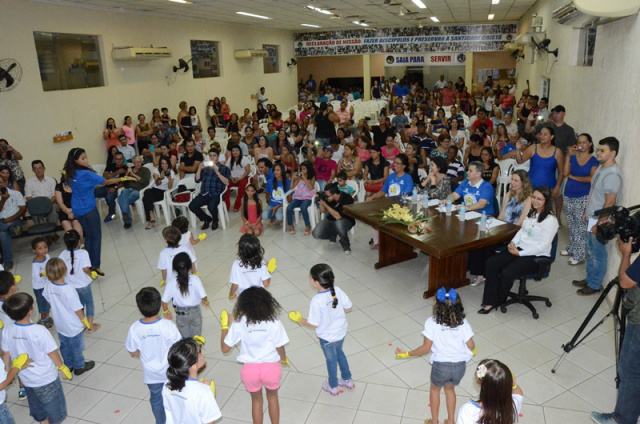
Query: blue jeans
[71, 350]
[268, 215]
[128, 197]
[597, 262]
[6, 241]
[90, 223]
[322, 184]
[86, 298]
[335, 357]
[47, 402]
[110, 196]
[5, 415]
[157, 406]
[328, 229]
[627, 406]
[303, 205]
[43, 305]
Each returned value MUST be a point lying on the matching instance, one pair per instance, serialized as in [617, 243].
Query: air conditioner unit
[588, 13]
[250, 54]
[140, 53]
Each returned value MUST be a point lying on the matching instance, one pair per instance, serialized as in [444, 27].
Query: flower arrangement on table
[396, 214]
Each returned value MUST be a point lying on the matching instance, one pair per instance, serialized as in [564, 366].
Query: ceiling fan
[408, 12]
[385, 3]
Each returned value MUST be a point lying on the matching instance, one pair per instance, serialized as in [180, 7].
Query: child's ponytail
[182, 355]
[323, 274]
[71, 241]
[182, 266]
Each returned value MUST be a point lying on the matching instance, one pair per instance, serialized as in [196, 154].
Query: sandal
[374, 246]
[292, 230]
[95, 327]
[307, 232]
[149, 226]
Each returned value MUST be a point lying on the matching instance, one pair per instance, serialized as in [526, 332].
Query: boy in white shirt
[39, 278]
[44, 390]
[150, 339]
[70, 320]
[172, 237]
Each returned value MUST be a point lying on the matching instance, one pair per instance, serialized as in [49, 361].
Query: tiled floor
[388, 312]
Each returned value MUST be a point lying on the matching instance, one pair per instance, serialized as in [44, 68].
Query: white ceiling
[289, 14]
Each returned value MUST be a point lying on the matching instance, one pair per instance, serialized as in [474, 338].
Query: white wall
[600, 100]
[29, 117]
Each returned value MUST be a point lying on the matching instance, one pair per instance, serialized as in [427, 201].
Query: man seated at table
[336, 222]
[477, 194]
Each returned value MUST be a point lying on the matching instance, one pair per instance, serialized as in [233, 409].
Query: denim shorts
[447, 372]
[47, 402]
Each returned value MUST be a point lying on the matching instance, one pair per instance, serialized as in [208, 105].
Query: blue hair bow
[442, 295]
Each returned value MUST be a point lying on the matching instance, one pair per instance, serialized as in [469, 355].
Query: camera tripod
[618, 323]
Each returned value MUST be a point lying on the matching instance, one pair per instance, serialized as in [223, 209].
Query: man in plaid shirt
[214, 178]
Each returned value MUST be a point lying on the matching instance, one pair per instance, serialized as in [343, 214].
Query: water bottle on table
[483, 222]
[449, 206]
[461, 212]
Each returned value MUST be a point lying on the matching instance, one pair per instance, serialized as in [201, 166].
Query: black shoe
[98, 271]
[579, 283]
[586, 291]
[127, 225]
[8, 266]
[126, 217]
[88, 365]
[370, 242]
[486, 311]
[214, 226]
[333, 239]
[206, 225]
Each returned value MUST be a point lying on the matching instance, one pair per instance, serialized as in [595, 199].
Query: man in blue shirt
[311, 84]
[400, 119]
[476, 193]
[214, 178]
[422, 139]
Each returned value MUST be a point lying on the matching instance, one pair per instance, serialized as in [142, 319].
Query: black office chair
[522, 297]
[40, 208]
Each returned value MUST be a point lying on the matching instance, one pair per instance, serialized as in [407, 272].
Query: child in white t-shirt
[187, 400]
[8, 287]
[330, 322]
[187, 240]
[79, 274]
[150, 339]
[70, 319]
[186, 292]
[172, 238]
[498, 390]
[44, 390]
[38, 279]
[256, 325]
[449, 337]
[250, 270]
[5, 380]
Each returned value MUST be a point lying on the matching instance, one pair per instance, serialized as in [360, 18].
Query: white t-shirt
[165, 260]
[331, 323]
[153, 340]
[64, 301]
[192, 298]
[37, 268]
[238, 169]
[36, 341]
[449, 344]
[5, 320]
[79, 279]
[186, 242]
[3, 393]
[259, 341]
[469, 413]
[338, 155]
[246, 277]
[164, 184]
[194, 404]
[12, 204]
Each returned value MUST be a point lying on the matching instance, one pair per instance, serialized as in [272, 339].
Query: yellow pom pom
[202, 236]
[199, 340]
[295, 316]
[161, 283]
[224, 319]
[94, 275]
[17, 278]
[271, 265]
[20, 361]
[285, 362]
[403, 355]
[475, 350]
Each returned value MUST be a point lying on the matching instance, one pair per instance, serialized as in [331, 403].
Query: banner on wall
[444, 39]
[427, 59]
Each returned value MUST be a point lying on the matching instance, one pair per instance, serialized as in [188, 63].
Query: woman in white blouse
[534, 239]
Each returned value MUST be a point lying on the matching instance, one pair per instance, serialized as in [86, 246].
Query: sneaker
[109, 218]
[22, 393]
[48, 323]
[574, 262]
[349, 384]
[601, 418]
[564, 253]
[8, 266]
[579, 283]
[478, 280]
[332, 391]
[587, 291]
[88, 365]
[347, 250]
[127, 225]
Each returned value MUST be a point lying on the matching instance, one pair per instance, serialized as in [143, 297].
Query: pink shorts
[267, 374]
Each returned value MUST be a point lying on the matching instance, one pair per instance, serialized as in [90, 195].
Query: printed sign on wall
[428, 59]
[455, 38]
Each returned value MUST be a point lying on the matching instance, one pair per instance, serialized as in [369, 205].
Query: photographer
[214, 178]
[336, 223]
[627, 410]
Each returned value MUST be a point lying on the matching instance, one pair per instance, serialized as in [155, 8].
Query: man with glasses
[476, 193]
[606, 184]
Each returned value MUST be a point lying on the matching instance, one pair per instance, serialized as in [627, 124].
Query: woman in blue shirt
[83, 180]
[274, 191]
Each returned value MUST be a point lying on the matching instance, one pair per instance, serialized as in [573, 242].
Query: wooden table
[447, 245]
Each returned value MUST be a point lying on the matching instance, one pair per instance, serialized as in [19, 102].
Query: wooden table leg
[448, 272]
[392, 251]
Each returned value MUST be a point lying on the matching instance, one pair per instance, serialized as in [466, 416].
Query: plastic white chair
[504, 178]
[356, 188]
[223, 215]
[311, 209]
[422, 174]
[190, 184]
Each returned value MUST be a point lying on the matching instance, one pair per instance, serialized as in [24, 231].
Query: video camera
[625, 224]
[321, 196]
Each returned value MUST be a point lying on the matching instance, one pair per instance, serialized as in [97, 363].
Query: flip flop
[95, 327]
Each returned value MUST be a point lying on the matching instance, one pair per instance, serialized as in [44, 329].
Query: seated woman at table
[533, 240]
[437, 184]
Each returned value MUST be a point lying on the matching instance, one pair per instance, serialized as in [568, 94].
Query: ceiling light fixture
[491, 17]
[310, 26]
[495, 1]
[360, 23]
[419, 3]
[251, 15]
[317, 9]
[434, 19]
[181, 1]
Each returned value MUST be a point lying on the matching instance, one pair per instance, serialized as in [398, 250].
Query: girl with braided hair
[327, 314]
[448, 335]
[79, 273]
